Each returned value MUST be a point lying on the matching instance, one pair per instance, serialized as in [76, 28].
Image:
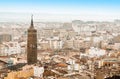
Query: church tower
[32, 44]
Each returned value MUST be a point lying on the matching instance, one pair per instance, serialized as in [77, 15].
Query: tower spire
[32, 44]
[32, 25]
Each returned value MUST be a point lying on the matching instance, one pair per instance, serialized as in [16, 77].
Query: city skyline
[59, 39]
[60, 10]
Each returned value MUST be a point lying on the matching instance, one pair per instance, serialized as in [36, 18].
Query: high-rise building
[32, 44]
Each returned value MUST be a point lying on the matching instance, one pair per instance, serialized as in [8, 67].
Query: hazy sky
[60, 10]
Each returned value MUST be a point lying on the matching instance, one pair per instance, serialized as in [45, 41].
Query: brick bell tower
[32, 44]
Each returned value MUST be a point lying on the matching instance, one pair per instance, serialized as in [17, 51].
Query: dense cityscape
[60, 50]
[59, 39]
